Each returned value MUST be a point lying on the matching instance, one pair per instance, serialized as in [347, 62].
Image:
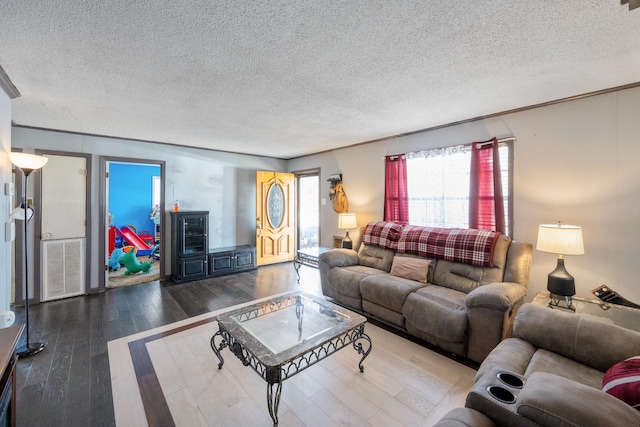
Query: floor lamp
[27, 163]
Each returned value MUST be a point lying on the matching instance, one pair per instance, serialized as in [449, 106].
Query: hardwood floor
[69, 383]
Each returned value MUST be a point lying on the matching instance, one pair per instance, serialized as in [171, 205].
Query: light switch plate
[8, 188]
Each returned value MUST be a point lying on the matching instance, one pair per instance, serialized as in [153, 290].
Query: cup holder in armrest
[510, 379]
[501, 394]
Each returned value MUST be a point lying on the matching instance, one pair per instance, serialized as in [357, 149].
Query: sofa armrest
[551, 400]
[500, 296]
[339, 258]
[464, 417]
[491, 310]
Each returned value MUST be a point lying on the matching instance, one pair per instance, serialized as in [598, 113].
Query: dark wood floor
[69, 383]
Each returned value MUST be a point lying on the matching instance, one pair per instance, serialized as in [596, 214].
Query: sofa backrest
[466, 277]
[511, 263]
[518, 265]
[376, 257]
[578, 337]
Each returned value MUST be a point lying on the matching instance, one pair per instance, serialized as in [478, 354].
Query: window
[438, 186]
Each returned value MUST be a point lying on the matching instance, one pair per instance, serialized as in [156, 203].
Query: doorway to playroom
[134, 217]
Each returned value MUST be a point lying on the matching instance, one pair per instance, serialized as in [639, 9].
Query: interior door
[275, 219]
[63, 237]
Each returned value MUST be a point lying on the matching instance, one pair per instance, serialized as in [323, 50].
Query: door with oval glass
[275, 220]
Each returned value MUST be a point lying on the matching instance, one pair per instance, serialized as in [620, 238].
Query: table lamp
[563, 240]
[347, 221]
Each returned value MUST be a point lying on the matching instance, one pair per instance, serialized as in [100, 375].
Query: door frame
[297, 175]
[102, 206]
[37, 227]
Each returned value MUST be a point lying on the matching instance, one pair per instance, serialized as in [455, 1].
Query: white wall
[221, 183]
[577, 162]
[5, 201]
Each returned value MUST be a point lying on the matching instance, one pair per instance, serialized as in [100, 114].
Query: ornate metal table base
[275, 375]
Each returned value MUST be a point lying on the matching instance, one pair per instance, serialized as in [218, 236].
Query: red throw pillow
[622, 380]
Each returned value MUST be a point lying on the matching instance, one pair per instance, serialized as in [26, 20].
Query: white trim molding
[7, 85]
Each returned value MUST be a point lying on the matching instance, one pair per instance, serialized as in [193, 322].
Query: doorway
[133, 200]
[308, 185]
[61, 249]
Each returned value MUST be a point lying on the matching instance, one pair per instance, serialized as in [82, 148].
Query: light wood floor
[404, 384]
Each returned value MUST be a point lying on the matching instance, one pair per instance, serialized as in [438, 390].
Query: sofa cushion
[412, 268]
[622, 380]
[547, 361]
[439, 311]
[461, 277]
[373, 256]
[346, 280]
[387, 290]
[465, 277]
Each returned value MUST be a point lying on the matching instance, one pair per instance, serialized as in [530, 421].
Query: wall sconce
[347, 221]
[563, 240]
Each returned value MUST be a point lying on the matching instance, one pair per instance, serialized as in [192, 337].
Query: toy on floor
[132, 264]
[114, 259]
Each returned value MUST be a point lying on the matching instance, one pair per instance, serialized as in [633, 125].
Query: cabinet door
[245, 259]
[221, 263]
[194, 268]
[194, 235]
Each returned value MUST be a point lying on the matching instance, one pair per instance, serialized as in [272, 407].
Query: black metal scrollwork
[237, 349]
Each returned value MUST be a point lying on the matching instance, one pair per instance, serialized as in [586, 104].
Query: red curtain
[396, 197]
[486, 205]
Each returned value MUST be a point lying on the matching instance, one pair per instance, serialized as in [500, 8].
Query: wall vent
[62, 268]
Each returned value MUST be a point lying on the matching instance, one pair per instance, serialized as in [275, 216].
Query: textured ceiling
[291, 77]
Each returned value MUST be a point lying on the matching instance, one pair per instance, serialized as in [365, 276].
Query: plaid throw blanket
[463, 245]
[468, 246]
[384, 234]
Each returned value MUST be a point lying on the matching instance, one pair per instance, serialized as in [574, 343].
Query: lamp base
[29, 350]
[560, 301]
[347, 243]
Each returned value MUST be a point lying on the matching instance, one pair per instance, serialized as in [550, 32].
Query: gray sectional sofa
[551, 374]
[462, 308]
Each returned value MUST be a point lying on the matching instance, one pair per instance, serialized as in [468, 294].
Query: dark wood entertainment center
[190, 256]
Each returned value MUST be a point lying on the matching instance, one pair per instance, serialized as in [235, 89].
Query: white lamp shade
[560, 239]
[18, 213]
[347, 220]
[28, 161]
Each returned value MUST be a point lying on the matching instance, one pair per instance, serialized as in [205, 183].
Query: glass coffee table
[283, 336]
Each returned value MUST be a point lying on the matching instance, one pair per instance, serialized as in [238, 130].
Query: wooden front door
[275, 221]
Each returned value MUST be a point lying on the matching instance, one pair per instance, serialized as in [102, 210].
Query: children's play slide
[135, 240]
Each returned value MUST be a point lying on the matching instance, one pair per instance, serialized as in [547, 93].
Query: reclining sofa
[458, 289]
[560, 369]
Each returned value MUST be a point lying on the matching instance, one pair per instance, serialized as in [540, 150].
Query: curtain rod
[500, 141]
[482, 144]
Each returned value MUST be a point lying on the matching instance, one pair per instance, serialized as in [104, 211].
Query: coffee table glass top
[285, 327]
